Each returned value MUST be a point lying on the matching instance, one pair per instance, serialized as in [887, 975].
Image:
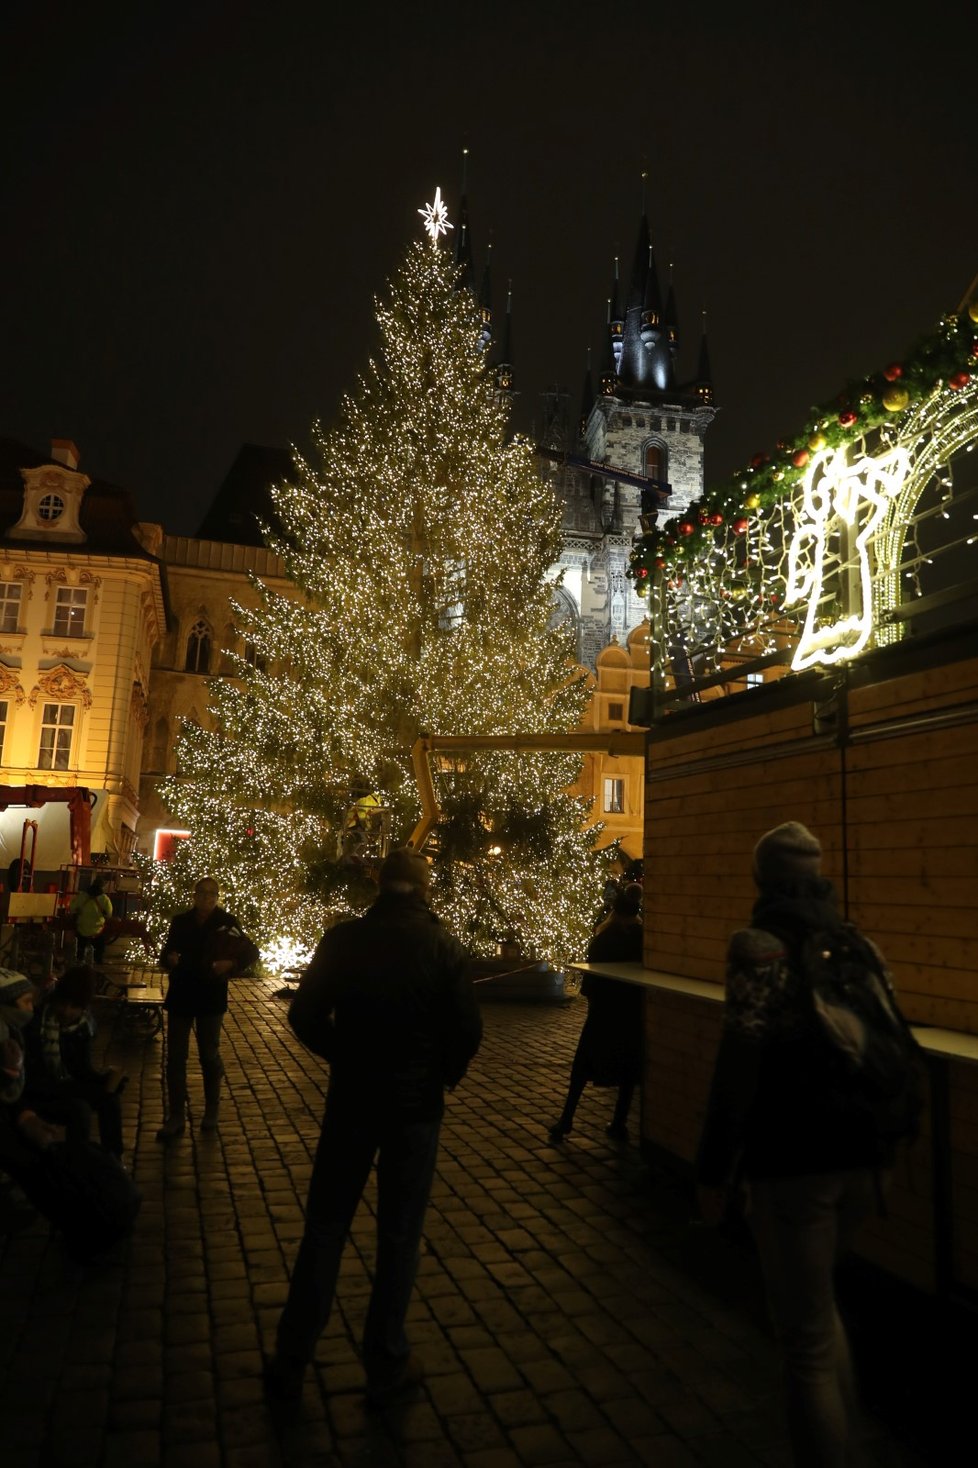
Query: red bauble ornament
[757, 462]
[800, 458]
[974, 347]
[740, 525]
[685, 527]
[958, 380]
[642, 571]
[716, 518]
[848, 418]
[894, 372]
[659, 563]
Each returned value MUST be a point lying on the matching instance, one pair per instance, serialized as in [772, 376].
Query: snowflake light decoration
[436, 218]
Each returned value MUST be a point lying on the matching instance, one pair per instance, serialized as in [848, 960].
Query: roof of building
[244, 502]
[107, 516]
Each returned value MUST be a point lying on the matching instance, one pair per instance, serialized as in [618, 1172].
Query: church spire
[670, 318]
[616, 321]
[485, 298]
[609, 367]
[463, 241]
[587, 397]
[504, 367]
[703, 385]
[646, 363]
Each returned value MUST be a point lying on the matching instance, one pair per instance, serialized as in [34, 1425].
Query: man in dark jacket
[777, 1129]
[203, 949]
[387, 1001]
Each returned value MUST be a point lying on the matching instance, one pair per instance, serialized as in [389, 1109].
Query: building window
[69, 611]
[4, 706]
[50, 507]
[57, 727]
[10, 595]
[655, 461]
[614, 797]
[754, 680]
[199, 649]
[254, 658]
[616, 711]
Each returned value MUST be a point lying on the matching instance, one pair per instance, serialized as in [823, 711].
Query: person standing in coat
[779, 1139]
[91, 908]
[609, 1051]
[204, 948]
[388, 1002]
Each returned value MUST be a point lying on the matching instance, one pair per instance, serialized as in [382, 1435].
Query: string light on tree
[417, 538]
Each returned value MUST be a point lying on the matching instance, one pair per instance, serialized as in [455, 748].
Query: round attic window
[50, 507]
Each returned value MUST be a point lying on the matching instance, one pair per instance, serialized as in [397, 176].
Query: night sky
[202, 200]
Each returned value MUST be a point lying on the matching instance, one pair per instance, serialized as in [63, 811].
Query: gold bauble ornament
[895, 399]
[752, 501]
[973, 311]
[817, 442]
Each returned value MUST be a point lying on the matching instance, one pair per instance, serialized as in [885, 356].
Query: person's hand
[222, 966]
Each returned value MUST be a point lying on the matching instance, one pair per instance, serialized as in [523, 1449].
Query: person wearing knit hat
[16, 986]
[16, 1008]
[788, 854]
[782, 1128]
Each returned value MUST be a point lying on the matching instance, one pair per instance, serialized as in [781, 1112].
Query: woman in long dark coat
[609, 1052]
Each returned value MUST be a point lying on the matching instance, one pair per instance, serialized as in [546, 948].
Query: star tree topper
[436, 218]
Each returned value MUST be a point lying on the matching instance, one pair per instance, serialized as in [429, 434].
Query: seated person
[61, 1077]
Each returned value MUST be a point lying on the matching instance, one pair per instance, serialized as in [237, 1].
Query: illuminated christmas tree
[418, 537]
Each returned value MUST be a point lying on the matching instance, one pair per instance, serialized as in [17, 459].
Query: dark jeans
[207, 1028]
[406, 1153]
[96, 943]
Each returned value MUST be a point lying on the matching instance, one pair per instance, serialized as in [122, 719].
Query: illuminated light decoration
[418, 540]
[165, 840]
[835, 493]
[435, 217]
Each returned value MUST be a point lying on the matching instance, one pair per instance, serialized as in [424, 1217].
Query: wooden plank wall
[702, 826]
[913, 843]
[908, 827]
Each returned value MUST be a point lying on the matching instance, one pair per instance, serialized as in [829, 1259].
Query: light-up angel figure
[838, 497]
[435, 217]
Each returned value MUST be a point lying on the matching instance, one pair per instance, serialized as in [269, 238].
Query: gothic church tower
[637, 452]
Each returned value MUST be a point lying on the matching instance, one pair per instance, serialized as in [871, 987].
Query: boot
[174, 1126]
[212, 1103]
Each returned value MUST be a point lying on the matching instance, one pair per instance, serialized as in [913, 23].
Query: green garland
[945, 359]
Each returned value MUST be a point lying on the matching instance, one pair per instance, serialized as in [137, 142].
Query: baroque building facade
[82, 606]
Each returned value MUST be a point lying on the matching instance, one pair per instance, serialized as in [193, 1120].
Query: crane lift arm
[610, 742]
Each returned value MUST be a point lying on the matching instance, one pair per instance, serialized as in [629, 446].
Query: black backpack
[874, 1063]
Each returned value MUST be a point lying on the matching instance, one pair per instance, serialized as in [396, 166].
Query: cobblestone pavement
[566, 1311]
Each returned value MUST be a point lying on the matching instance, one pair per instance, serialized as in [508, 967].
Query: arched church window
[655, 461]
[254, 658]
[199, 648]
